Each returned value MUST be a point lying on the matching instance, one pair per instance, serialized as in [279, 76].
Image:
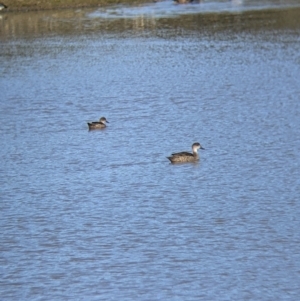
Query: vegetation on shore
[24, 5]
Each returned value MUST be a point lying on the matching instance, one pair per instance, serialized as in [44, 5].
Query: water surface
[103, 215]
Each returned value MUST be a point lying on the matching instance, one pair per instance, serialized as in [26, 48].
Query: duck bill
[202, 147]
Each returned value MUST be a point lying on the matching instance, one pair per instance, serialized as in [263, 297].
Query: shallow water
[103, 215]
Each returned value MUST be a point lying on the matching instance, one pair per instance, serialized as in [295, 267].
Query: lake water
[103, 215]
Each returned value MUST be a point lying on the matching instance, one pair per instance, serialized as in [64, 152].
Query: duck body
[183, 1]
[184, 157]
[96, 125]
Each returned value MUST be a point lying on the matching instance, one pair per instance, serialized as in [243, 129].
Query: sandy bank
[26, 5]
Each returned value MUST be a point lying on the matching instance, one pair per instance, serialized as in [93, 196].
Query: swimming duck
[186, 156]
[183, 1]
[101, 124]
[2, 6]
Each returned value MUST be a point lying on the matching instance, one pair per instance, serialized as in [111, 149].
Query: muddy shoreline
[32, 5]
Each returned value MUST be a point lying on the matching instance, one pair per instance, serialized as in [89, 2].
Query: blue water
[103, 215]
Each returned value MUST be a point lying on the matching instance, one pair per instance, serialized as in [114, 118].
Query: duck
[2, 6]
[101, 124]
[183, 157]
[183, 1]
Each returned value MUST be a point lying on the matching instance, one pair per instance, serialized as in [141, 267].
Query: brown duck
[186, 156]
[101, 124]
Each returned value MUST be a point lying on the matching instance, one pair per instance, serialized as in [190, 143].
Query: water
[103, 215]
